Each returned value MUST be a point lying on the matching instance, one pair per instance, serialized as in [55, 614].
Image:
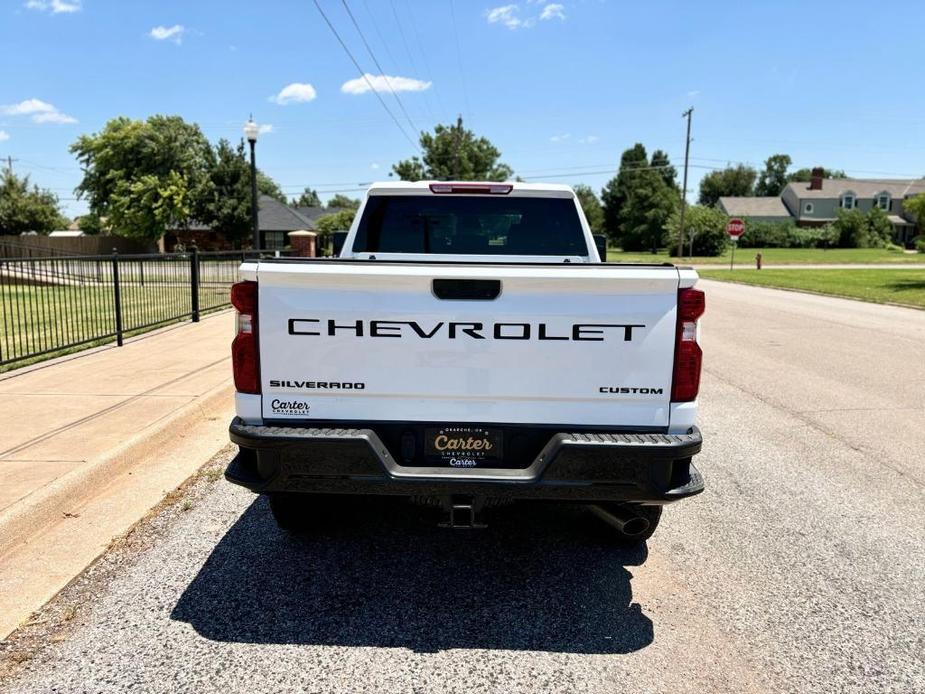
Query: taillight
[463, 188]
[244, 357]
[688, 357]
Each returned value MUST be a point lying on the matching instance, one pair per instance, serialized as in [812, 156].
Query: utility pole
[458, 132]
[687, 150]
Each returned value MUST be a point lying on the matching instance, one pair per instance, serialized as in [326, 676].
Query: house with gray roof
[816, 202]
[761, 209]
[276, 219]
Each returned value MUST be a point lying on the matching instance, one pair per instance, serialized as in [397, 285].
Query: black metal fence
[51, 305]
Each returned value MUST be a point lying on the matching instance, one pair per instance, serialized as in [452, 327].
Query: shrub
[920, 244]
[857, 230]
[708, 227]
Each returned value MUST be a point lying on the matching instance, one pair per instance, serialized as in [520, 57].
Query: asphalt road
[802, 568]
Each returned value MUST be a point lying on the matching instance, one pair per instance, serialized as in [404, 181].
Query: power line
[382, 73]
[404, 39]
[687, 152]
[363, 75]
[417, 36]
[391, 56]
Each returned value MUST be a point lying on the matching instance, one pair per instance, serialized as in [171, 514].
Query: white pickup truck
[468, 348]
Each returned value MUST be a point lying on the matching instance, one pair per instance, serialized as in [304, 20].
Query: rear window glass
[469, 225]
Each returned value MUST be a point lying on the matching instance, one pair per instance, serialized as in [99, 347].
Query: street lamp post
[250, 132]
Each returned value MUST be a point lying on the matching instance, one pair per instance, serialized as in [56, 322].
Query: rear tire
[298, 513]
[640, 522]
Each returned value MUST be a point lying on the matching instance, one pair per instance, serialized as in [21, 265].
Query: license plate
[463, 446]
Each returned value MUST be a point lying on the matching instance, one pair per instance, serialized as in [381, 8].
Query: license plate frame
[463, 447]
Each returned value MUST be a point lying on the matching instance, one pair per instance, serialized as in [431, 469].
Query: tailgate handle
[470, 290]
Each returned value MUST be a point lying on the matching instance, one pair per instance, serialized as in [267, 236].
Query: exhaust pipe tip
[635, 526]
[624, 520]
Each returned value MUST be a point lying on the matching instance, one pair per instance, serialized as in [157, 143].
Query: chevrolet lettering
[467, 348]
[480, 330]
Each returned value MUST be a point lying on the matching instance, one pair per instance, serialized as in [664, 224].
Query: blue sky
[561, 87]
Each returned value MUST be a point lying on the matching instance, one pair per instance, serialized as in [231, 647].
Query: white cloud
[381, 83]
[560, 138]
[693, 93]
[4, 136]
[27, 107]
[374, 165]
[588, 140]
[264, 128]
[507, 15]
[295, 93]
[53, 117]
[553, 11]
[174, 33]
[41, 111]
[55, 6]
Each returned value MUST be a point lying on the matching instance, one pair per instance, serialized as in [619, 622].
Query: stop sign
[735, 228]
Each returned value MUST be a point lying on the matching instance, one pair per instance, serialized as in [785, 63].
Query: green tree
[668, 173]
[144, 176]
[339, 201]
[226, 205]
[915, 206]
[453, 153]
[308, 198]
[733, 181]
[879, 229]
[25, 208]
[329, 223]
[852, 229]
[614, 194]
[91, 224]
[149, 205]
[804, 175]
[339, 221]
[858, 230]
[705, 225]
[773, 179]
[638, 202]
[591, 206]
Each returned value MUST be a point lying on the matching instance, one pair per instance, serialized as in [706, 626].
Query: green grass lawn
[779, 256]
[877, 285]
[43, 318]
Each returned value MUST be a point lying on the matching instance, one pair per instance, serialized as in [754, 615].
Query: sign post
[735, 228]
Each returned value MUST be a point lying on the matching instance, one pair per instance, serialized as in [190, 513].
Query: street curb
[29, 517]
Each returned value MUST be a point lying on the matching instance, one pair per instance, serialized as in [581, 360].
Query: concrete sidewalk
[90, 443]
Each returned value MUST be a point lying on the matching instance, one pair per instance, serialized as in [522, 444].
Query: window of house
[808, 208]
[883, 201]
[849, 201]
[274, 240]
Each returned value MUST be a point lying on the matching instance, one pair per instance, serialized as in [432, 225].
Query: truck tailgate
[559, 344]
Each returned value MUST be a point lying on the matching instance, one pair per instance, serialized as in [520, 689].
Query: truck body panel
[561, 344]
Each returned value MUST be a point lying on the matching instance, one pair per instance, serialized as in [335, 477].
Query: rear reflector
[688, 357]
[244, 356]
[471, 188]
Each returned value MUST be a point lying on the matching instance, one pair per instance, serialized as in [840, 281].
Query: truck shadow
[541, 577]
